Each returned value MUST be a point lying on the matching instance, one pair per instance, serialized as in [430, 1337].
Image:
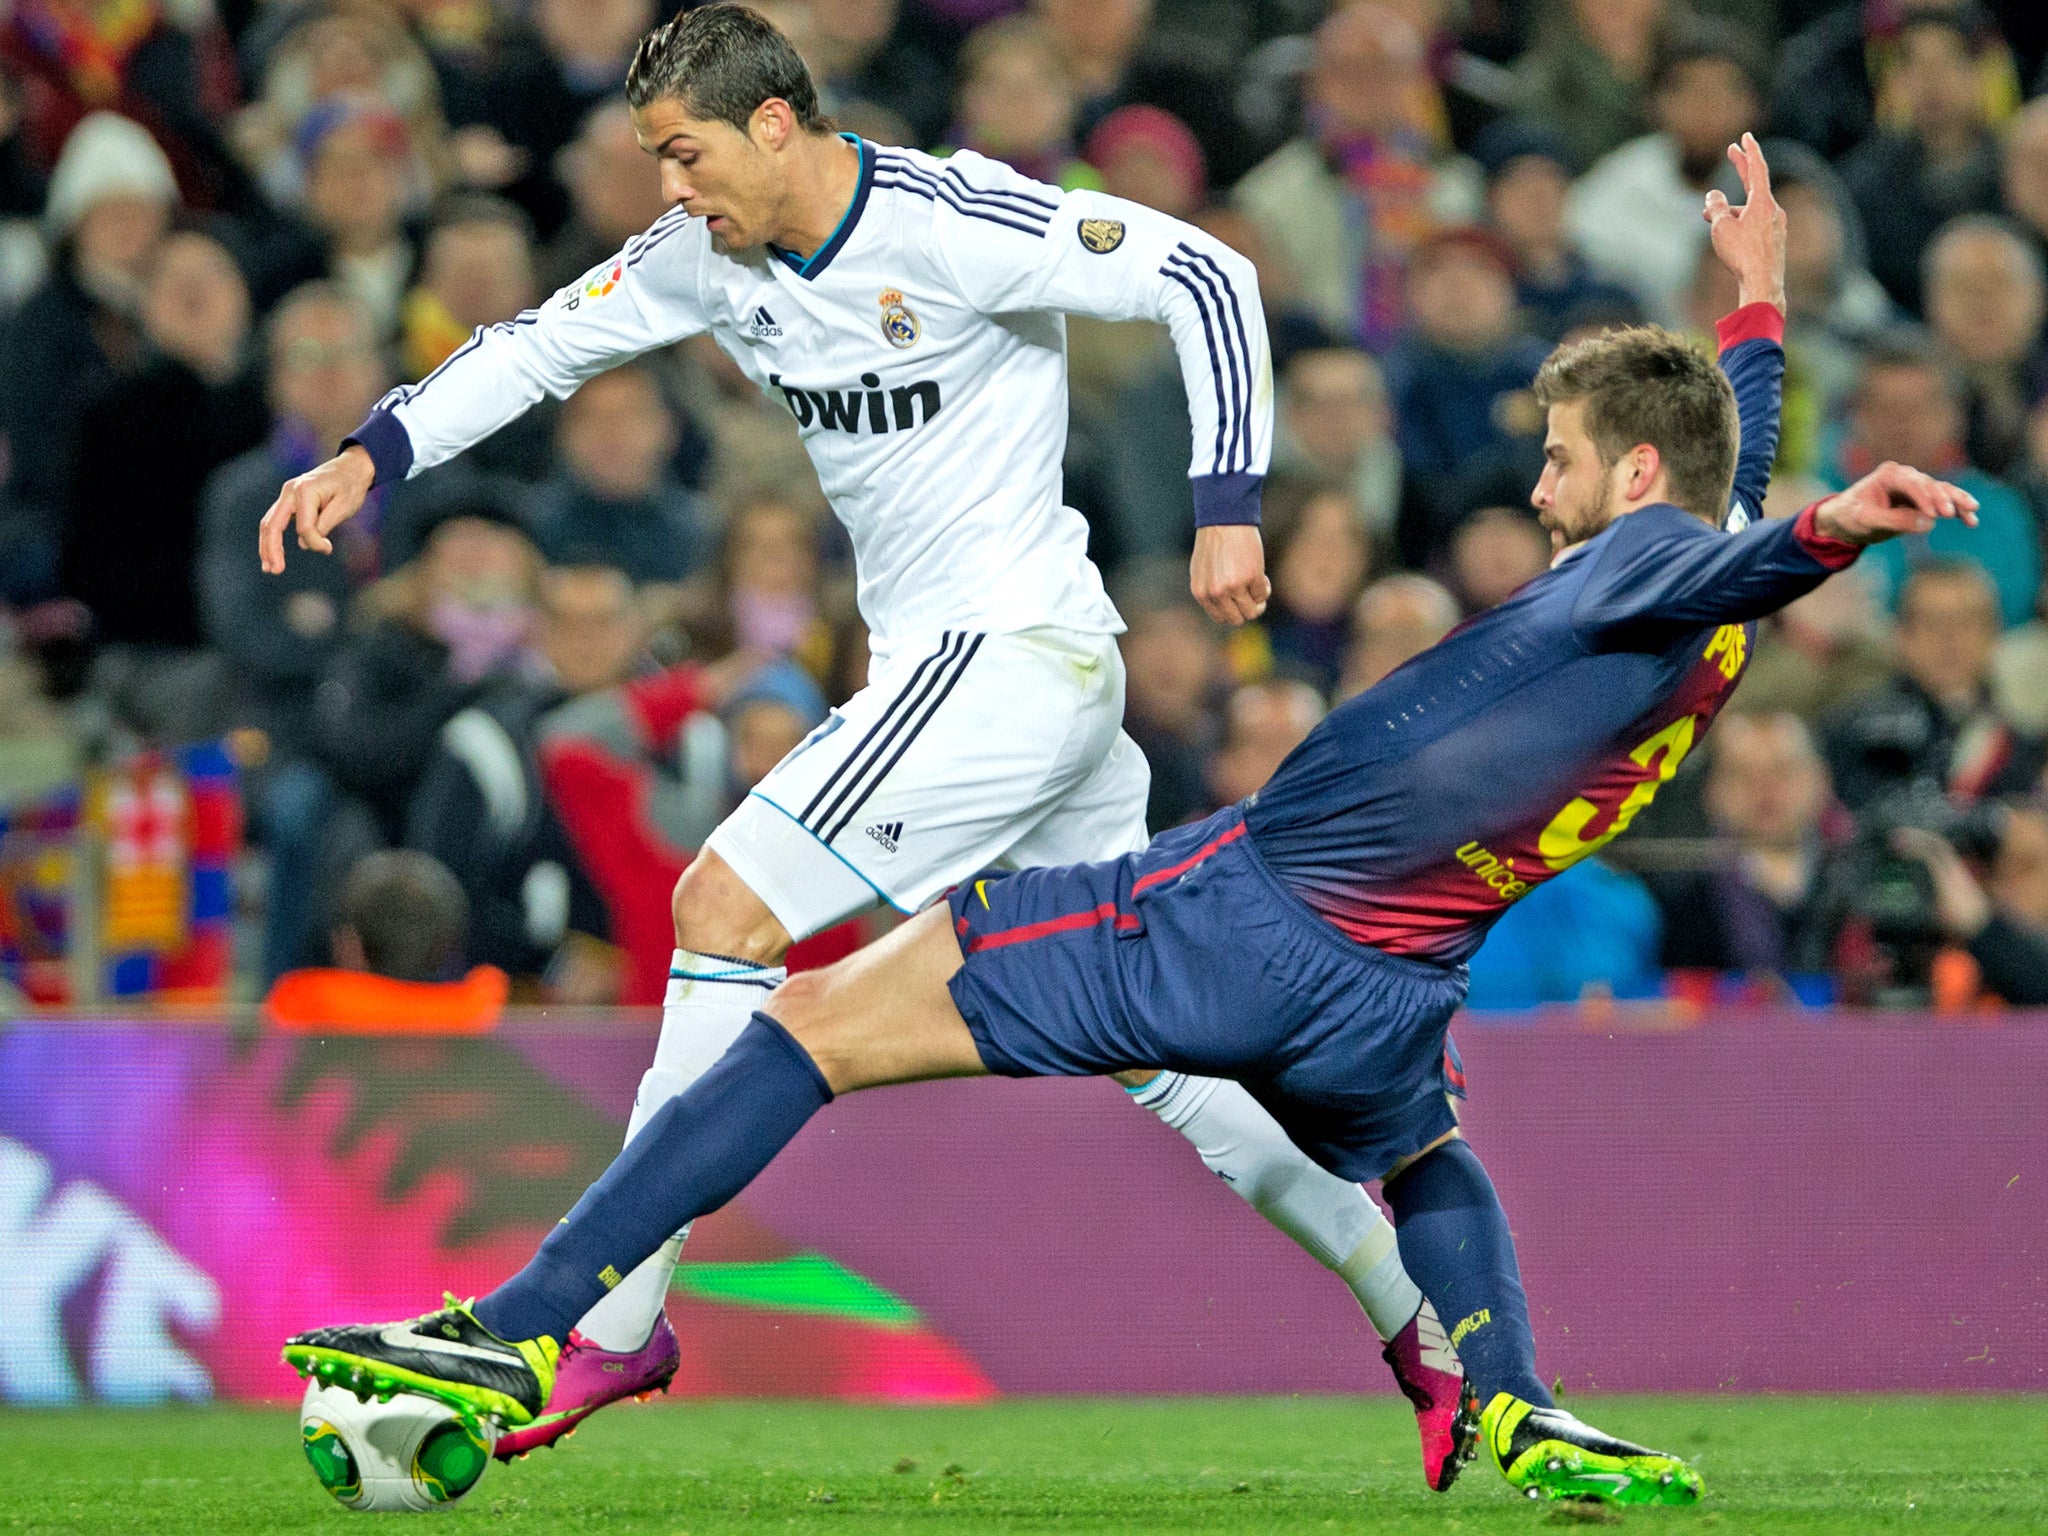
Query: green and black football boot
[1548, 1454]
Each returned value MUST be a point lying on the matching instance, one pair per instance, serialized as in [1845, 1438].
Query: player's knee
[717, 913]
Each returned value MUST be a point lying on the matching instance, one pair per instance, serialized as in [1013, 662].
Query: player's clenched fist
[1228, 572]
[314, 505]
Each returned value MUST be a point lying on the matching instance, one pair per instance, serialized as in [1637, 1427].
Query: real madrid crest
[899, 324]
[1102, 235]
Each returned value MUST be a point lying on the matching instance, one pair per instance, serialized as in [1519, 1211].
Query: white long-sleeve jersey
[922, 351]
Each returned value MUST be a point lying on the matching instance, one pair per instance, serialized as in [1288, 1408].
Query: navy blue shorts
[1192, 956]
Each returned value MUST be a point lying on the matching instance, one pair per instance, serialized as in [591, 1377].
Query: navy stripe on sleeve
[1240, 389]
[941, 192]
[1215, 363]
[1244, 352]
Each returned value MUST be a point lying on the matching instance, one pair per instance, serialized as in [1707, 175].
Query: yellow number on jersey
[1564, 841]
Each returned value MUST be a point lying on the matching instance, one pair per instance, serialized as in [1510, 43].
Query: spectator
[1494, 554]
[1173, 662]
[2019, 673]
[308, 58]
[480, 806]
[1819, 654]
[1908, 409]
[1347, 203]
[766, 596]
[1636, 213]
[1587, 73]
[1461, 378]
[1934, 723]
[279, 633]
[110, 202]
[1586, 934]
[1098, 40]
[477, 270]
[614, 498]
[1335, 424]
[2024, 171]
[457, 617]
[401, 927]
[1397, 617]
[1834, 308]
[859, 53]
[1942, 162]
[1017, 103]
[1149, 156]
[1262, 723]
[614, 193]
[148, 445]
[1986, 299]
[1760, 902]
[357, 177]
[1832, 73]
[2003, 923]
[1319, 559]
[1528, 177]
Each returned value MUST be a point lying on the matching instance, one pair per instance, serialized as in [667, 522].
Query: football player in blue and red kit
[1310, 941]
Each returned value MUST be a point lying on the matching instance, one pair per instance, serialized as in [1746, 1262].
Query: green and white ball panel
[406, 1454]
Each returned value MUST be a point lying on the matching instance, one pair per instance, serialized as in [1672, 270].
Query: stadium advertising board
[1843, 1205]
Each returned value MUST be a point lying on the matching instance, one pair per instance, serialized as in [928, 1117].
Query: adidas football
[408, 1454]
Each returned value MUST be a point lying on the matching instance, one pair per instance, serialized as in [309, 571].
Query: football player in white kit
[909, 312]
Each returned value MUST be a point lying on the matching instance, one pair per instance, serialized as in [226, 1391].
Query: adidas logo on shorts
[886, 833]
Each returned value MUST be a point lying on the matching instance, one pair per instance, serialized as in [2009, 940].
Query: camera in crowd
[1893, 893]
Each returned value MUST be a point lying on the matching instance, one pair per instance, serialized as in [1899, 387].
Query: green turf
[1266, 1465]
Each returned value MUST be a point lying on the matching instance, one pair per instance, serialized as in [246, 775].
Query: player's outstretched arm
[645, 297]
[1750, 240]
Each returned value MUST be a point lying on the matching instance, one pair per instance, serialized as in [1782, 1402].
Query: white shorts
[969, 751]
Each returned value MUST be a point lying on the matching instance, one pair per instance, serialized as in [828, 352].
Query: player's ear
[772, 123]
[1645, 464]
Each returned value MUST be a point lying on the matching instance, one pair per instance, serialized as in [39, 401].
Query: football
[408, 1454]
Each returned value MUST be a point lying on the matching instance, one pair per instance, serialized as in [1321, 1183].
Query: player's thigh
[1103, 817]
[927, 775]
[884, 1014]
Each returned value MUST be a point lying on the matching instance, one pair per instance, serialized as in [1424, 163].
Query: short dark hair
[1948, 568]
[721, 62]
[408, 911]
[1709, 39]
[1909, 348]
[1646, 385]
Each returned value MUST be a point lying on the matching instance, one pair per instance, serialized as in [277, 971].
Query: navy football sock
[1456, 1245]
[702, 1148]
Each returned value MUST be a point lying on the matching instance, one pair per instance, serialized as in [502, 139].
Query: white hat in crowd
[107, 155]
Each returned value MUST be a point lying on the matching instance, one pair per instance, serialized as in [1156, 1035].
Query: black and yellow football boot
[1548, 1454]
[447, 1355]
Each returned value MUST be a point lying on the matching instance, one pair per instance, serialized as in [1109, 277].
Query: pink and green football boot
[588, 1378]
[1432, 1378]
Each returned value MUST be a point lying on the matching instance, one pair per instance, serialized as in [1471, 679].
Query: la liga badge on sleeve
[1102, 235]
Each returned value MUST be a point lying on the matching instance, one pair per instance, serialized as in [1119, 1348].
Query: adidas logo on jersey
[762, 326]
[866, 409]
[887, 833]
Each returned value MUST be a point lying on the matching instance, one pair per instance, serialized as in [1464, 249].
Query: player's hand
[1228, 572]
[1892, 499]
[1750, 240]
[314, 505]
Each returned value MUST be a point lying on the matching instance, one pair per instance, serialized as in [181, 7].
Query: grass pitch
[1306, 1465]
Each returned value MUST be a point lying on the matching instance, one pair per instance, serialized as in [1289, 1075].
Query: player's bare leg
[728, 958]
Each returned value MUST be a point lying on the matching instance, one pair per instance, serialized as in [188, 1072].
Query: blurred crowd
[227, 227]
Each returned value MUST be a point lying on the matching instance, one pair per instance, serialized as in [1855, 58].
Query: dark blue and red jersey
[1416, 813]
